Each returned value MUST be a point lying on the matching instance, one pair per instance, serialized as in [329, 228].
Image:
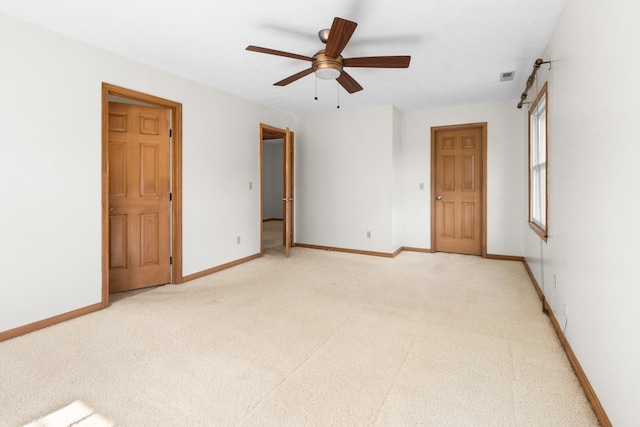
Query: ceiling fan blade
[279, 53]
[294, 77]
[378, 62]
[339, 35]
[348, 82]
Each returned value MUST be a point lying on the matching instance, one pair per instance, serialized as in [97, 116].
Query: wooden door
[288, 191]
[458, 222]
[138, 170]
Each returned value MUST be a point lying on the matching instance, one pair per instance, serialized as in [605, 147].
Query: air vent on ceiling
[507, 76]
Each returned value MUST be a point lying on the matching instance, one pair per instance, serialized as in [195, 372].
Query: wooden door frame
[266, 133]
[288, 191]
[176, 179]
[483, 163]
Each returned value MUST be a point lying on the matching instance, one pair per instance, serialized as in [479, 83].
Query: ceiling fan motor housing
[325, 67]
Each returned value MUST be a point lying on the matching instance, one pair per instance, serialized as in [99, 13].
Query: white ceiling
[459, 48]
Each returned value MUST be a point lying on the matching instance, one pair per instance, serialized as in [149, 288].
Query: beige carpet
[319, 339]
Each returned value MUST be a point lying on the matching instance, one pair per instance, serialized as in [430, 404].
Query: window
[538, 190]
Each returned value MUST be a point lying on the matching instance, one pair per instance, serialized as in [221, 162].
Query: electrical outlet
[238, 240]
[368, 234]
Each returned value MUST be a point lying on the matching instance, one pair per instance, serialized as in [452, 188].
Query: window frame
[535, 165]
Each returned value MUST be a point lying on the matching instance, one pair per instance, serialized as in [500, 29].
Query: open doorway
[276, 191]
[272, 195]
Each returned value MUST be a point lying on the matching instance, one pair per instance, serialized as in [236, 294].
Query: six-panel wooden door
[139, 180]
[457, 189]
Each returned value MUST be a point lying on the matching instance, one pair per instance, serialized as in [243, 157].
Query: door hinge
[170, 260]
[170, 133]
[170, 196]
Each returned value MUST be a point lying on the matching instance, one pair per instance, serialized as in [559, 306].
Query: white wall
[344, 179]
[362, 170]
[593, 196]
[272, 172]
[505, 199]
[50, 170]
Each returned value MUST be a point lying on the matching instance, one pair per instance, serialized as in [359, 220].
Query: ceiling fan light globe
[327, 73]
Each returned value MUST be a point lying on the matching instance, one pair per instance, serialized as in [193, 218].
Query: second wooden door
[458, 189]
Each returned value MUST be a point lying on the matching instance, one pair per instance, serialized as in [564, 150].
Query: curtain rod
[531, 79]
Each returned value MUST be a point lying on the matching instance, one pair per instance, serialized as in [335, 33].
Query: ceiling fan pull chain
[338, 86]
[316, 97]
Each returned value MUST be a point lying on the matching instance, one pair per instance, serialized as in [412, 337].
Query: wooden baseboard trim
[402, 249]
[536, 286]
[422, 250]
[505, 257]
[220, 267]
[41, 324]
[488, 256]
[350, 251]
[575, 364]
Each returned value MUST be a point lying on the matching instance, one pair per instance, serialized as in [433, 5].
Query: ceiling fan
[328, 63]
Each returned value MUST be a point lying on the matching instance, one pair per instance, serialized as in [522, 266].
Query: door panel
[448, 172]
[468, 173]
[117, 168]
[468, 221]
[118, 241]
[149, 233]
[448, 229]
[149, 173]
[139, 229]
[457, 188]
